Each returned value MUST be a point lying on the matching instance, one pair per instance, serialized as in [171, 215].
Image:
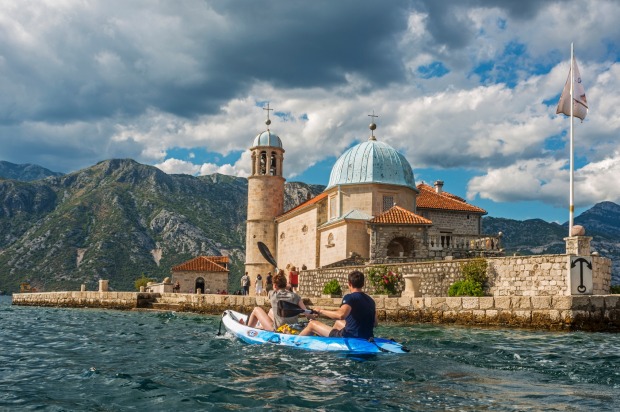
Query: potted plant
[332, 289]
[384, 280]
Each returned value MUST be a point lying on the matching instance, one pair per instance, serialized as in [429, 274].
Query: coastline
[595, 313]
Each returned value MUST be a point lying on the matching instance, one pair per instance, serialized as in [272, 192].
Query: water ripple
[72, 360]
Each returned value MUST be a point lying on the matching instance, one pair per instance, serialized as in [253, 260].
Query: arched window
[272, 164]
[282, 236]
[263, 162]
[304, 229]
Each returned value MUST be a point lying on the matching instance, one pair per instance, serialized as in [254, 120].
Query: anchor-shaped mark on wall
[581, 288]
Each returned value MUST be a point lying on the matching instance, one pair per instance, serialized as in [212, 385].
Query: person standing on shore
[259, 285]
[293, 279]
[245, 284]
[269, 283]
[356, 317]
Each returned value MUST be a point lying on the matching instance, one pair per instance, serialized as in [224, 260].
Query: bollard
[103, 285]
[412, 285]
[83, 288]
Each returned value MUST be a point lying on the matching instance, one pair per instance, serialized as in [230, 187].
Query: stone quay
[588, 313]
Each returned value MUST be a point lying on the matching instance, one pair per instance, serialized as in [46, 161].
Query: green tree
[142, 281]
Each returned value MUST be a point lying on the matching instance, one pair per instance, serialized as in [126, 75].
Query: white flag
[580, 104]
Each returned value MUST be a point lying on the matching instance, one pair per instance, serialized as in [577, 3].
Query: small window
[333, 209]
[388, 202]
[304, 229]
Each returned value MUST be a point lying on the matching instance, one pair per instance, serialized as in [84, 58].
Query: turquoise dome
[372, 162]
[267, 138]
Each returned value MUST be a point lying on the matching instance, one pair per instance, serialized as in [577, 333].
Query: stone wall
[592, 313]
[451, 222]
[107, 300]
[538, 275]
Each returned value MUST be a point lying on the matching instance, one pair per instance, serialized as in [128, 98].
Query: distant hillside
[24, 172]
[117, 220]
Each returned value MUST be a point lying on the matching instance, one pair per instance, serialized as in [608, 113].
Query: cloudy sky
[467, 90]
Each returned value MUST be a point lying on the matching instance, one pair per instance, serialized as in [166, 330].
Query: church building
[370, 212]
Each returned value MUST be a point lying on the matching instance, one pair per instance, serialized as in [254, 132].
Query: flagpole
[572, 166]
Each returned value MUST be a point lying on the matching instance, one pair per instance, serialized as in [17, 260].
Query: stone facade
[458, 223]
[591, 313]
[413, 241]
[213, 281]
[297, 243]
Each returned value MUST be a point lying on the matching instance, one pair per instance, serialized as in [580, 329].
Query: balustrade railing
[474, 243]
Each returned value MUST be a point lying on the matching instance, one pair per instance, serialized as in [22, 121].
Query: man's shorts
[336, 333]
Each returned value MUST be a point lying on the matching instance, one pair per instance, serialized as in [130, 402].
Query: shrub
[142, 281]
[385, 281]
[474, 279]
[332, 288]
[615, 290]
[476, 270]
[466, 287]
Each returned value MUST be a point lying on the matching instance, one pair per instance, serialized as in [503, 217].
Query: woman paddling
[273, 321]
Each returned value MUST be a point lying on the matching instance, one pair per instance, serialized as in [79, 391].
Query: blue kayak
[230, 319]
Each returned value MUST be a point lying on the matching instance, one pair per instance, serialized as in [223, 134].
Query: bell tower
[265, 201]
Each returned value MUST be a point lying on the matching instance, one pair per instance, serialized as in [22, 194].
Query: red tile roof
[428, 198]
[305, 204]
[396, 215]
[203, 264]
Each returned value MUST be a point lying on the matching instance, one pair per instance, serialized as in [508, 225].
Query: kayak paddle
[264, 250]
[288, 309]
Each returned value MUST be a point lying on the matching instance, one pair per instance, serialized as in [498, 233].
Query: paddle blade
[264, 250]
[288, 309]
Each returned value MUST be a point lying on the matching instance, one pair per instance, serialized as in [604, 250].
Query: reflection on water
[71, 359]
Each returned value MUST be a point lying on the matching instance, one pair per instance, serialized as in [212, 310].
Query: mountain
[118, 220]
[24, 172]
[535, 236]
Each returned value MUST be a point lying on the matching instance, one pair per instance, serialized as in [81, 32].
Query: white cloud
[176, 166]
[84, 82]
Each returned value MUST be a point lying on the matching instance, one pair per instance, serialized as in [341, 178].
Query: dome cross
[372, 126]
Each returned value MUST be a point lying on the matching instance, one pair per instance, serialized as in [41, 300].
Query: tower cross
[268, 110]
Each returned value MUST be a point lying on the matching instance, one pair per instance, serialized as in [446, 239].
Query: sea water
[54, 359]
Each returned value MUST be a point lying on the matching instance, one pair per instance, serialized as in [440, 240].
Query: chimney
[438, 186]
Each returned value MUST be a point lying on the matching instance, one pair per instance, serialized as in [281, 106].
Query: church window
[333, 208]
[388, 202]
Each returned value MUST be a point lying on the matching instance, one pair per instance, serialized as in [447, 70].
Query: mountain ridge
[119, 219]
